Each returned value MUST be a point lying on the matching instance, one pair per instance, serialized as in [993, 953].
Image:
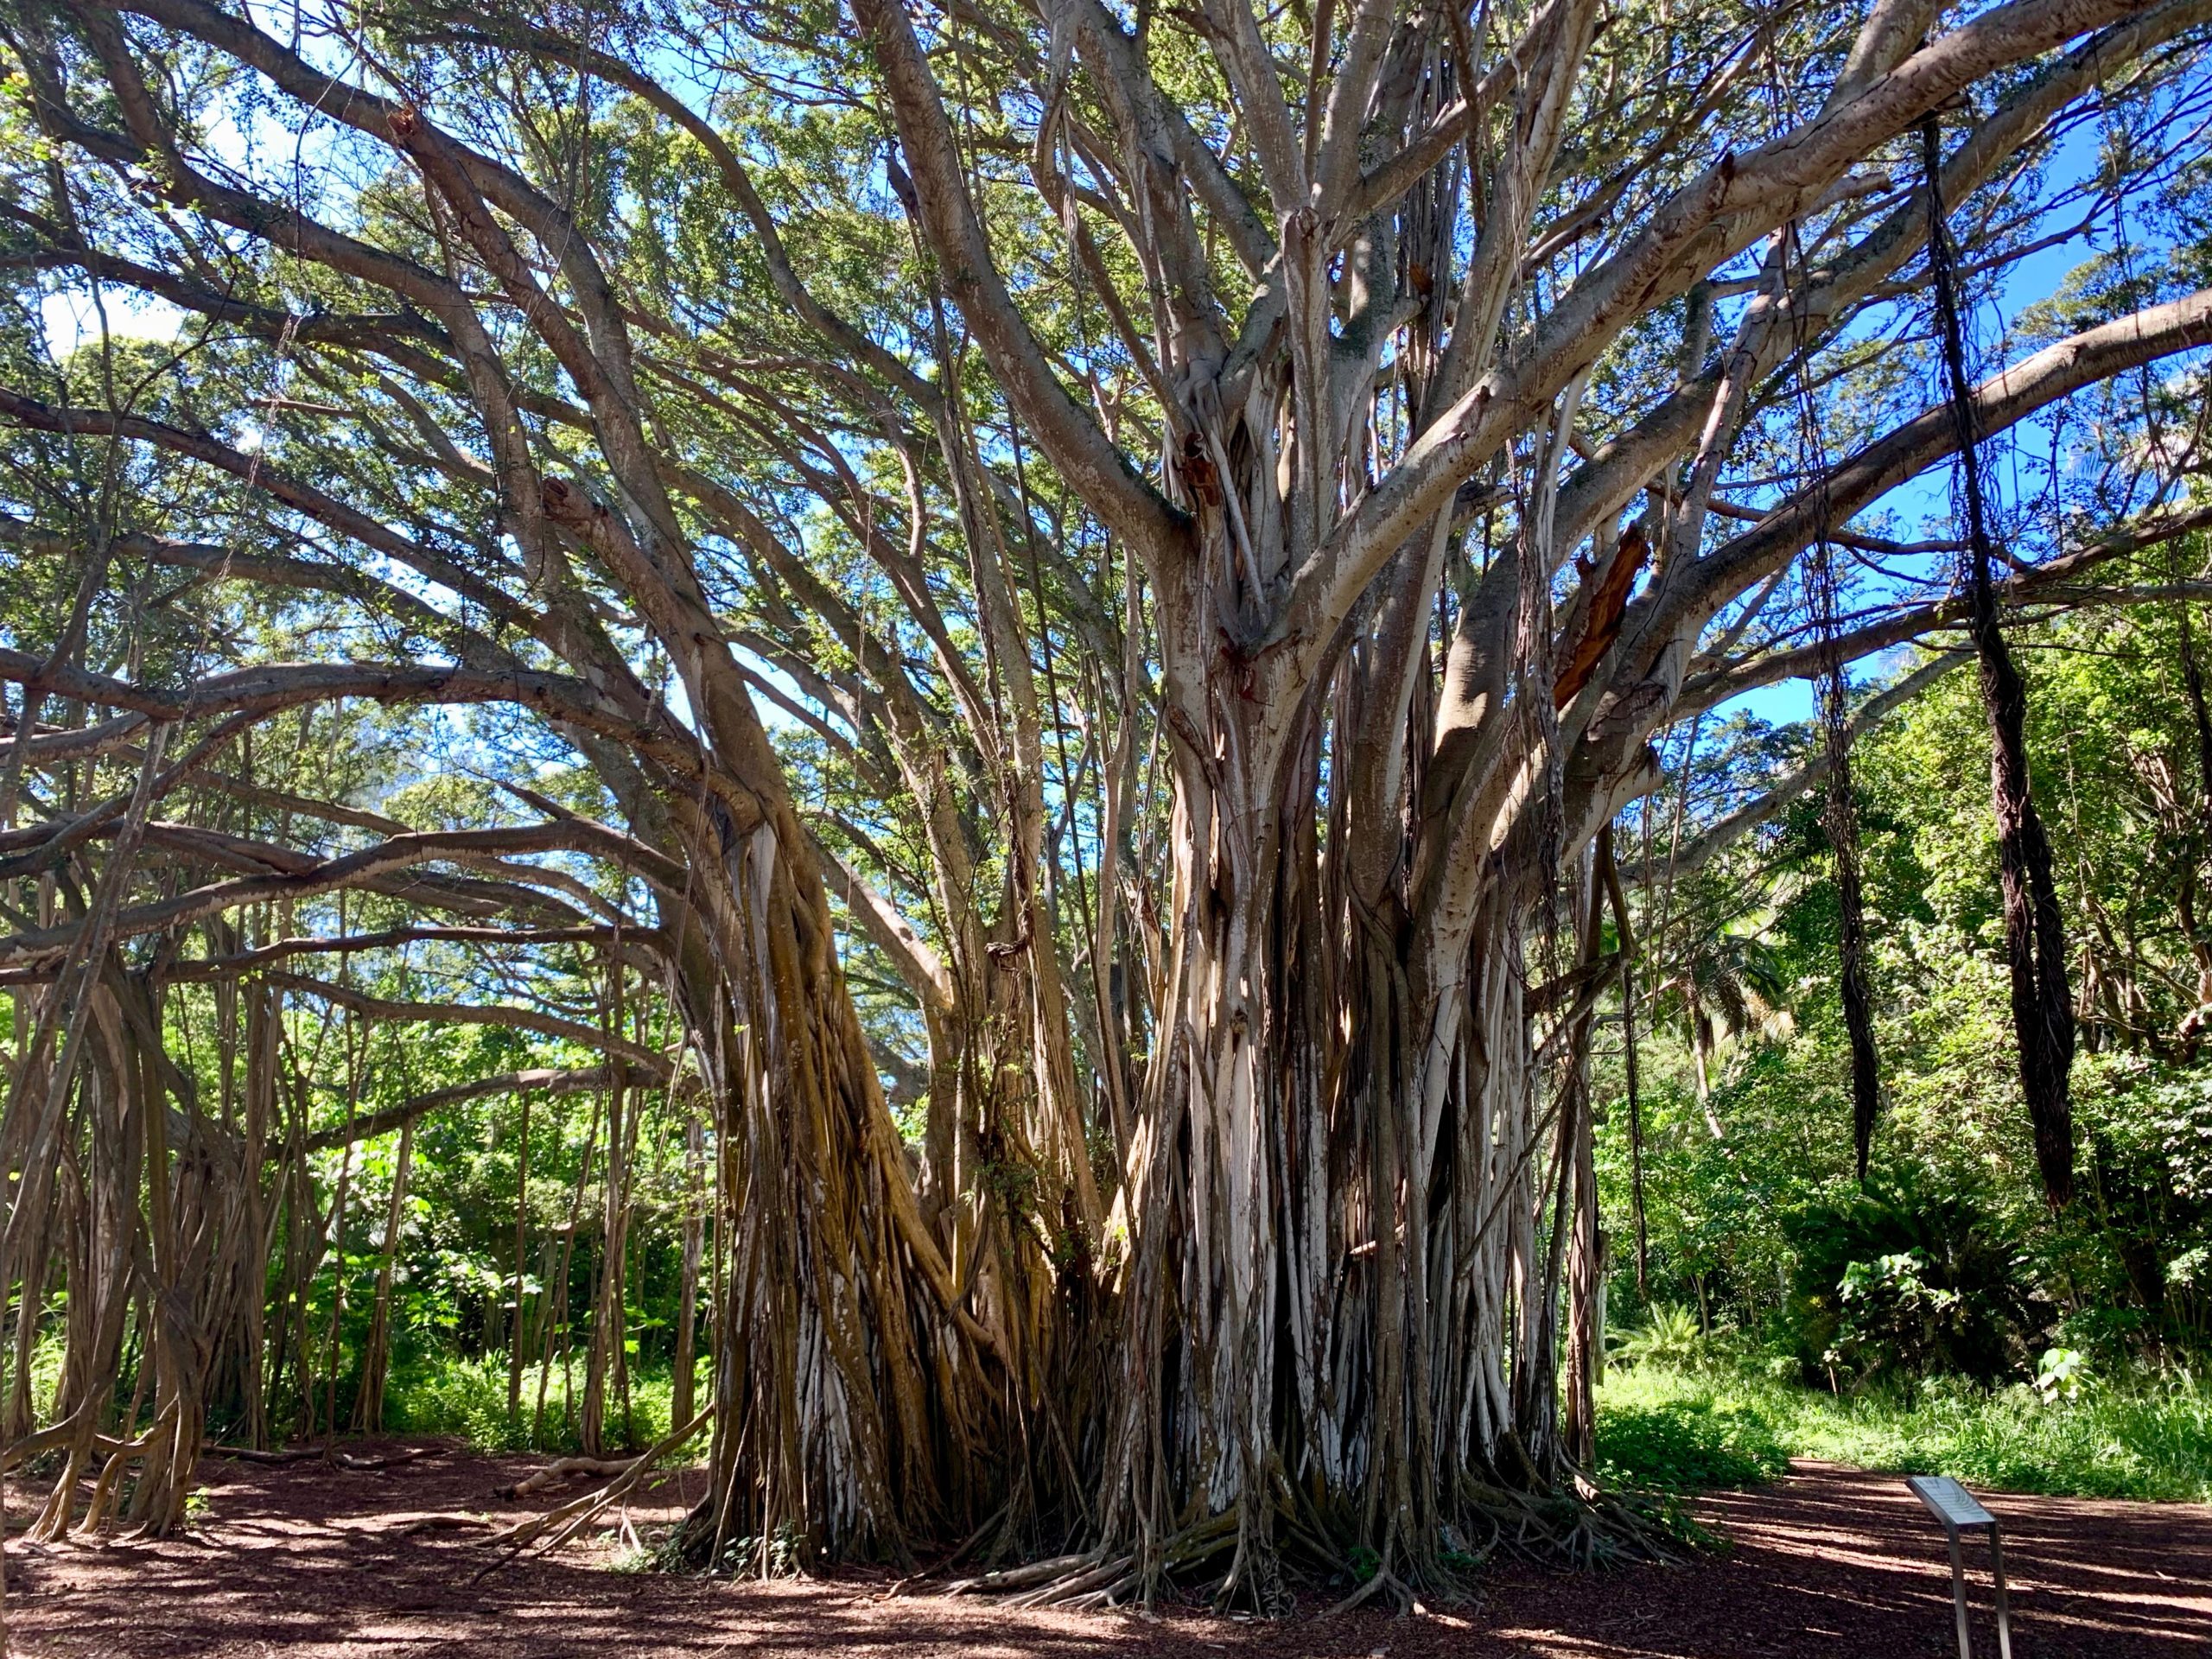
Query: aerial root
[1382, 1583]
[1089, 1579]
[1018, 1578]
[574, 1516]
[1584, 1529]
[1577, 1525]
[1101, 1578]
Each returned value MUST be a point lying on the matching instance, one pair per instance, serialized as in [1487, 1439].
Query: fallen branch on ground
[576, 1515]
[379, 1462]
[561, 1471]
[454, 1522]
[372, 1464]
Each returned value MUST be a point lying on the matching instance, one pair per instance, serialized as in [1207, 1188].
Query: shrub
[1669, 1336]
[468, 1398]
[1914, 1275]
[1688, 1443]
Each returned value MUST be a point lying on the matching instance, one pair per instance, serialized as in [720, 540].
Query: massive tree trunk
[1320, 1277]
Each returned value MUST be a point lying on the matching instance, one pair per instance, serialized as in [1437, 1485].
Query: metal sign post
[1959, 1511]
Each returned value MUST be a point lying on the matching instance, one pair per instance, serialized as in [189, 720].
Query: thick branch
[1725, 831]
[2046, 580]
[502, 1015]
[550, 1080]
[2009, 397]
[1092, 466]
[352, 870]
[1722, 211]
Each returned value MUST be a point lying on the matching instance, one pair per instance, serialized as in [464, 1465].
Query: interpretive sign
[1960, 1512]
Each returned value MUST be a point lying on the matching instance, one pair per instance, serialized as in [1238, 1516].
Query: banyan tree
[1096, 577]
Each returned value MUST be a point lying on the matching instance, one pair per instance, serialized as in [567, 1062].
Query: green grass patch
[1687, 1431]
[1689, 1444]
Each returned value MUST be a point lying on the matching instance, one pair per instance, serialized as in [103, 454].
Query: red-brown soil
[305, 1560]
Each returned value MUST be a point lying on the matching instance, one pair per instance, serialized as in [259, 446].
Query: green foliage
[2149, 1438]
[1939, 1318]
[1911, 1275]
[1669, 1338]
[1686, 1444]
[467, 1397]
[1948, 1261]
[2061, 1373]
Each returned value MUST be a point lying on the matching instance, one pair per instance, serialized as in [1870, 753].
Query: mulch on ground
[307, 1561]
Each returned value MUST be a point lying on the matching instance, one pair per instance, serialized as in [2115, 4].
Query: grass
[1684, 1440]
[1683, 1430]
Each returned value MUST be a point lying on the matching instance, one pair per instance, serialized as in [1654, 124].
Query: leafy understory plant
[2060, 1374]
[1669, 1338]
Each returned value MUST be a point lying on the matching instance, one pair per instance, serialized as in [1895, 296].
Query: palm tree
[1721, 983]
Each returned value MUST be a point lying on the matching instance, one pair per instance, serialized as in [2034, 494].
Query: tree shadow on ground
[305, 1560]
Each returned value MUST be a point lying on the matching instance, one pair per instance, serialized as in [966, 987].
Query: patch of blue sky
[1920, 508]
[69, 315]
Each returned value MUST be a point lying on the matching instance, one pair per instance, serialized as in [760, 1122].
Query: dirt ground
[305, 1560]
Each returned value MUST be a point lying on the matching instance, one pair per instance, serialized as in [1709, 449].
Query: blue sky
[1922, 506]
